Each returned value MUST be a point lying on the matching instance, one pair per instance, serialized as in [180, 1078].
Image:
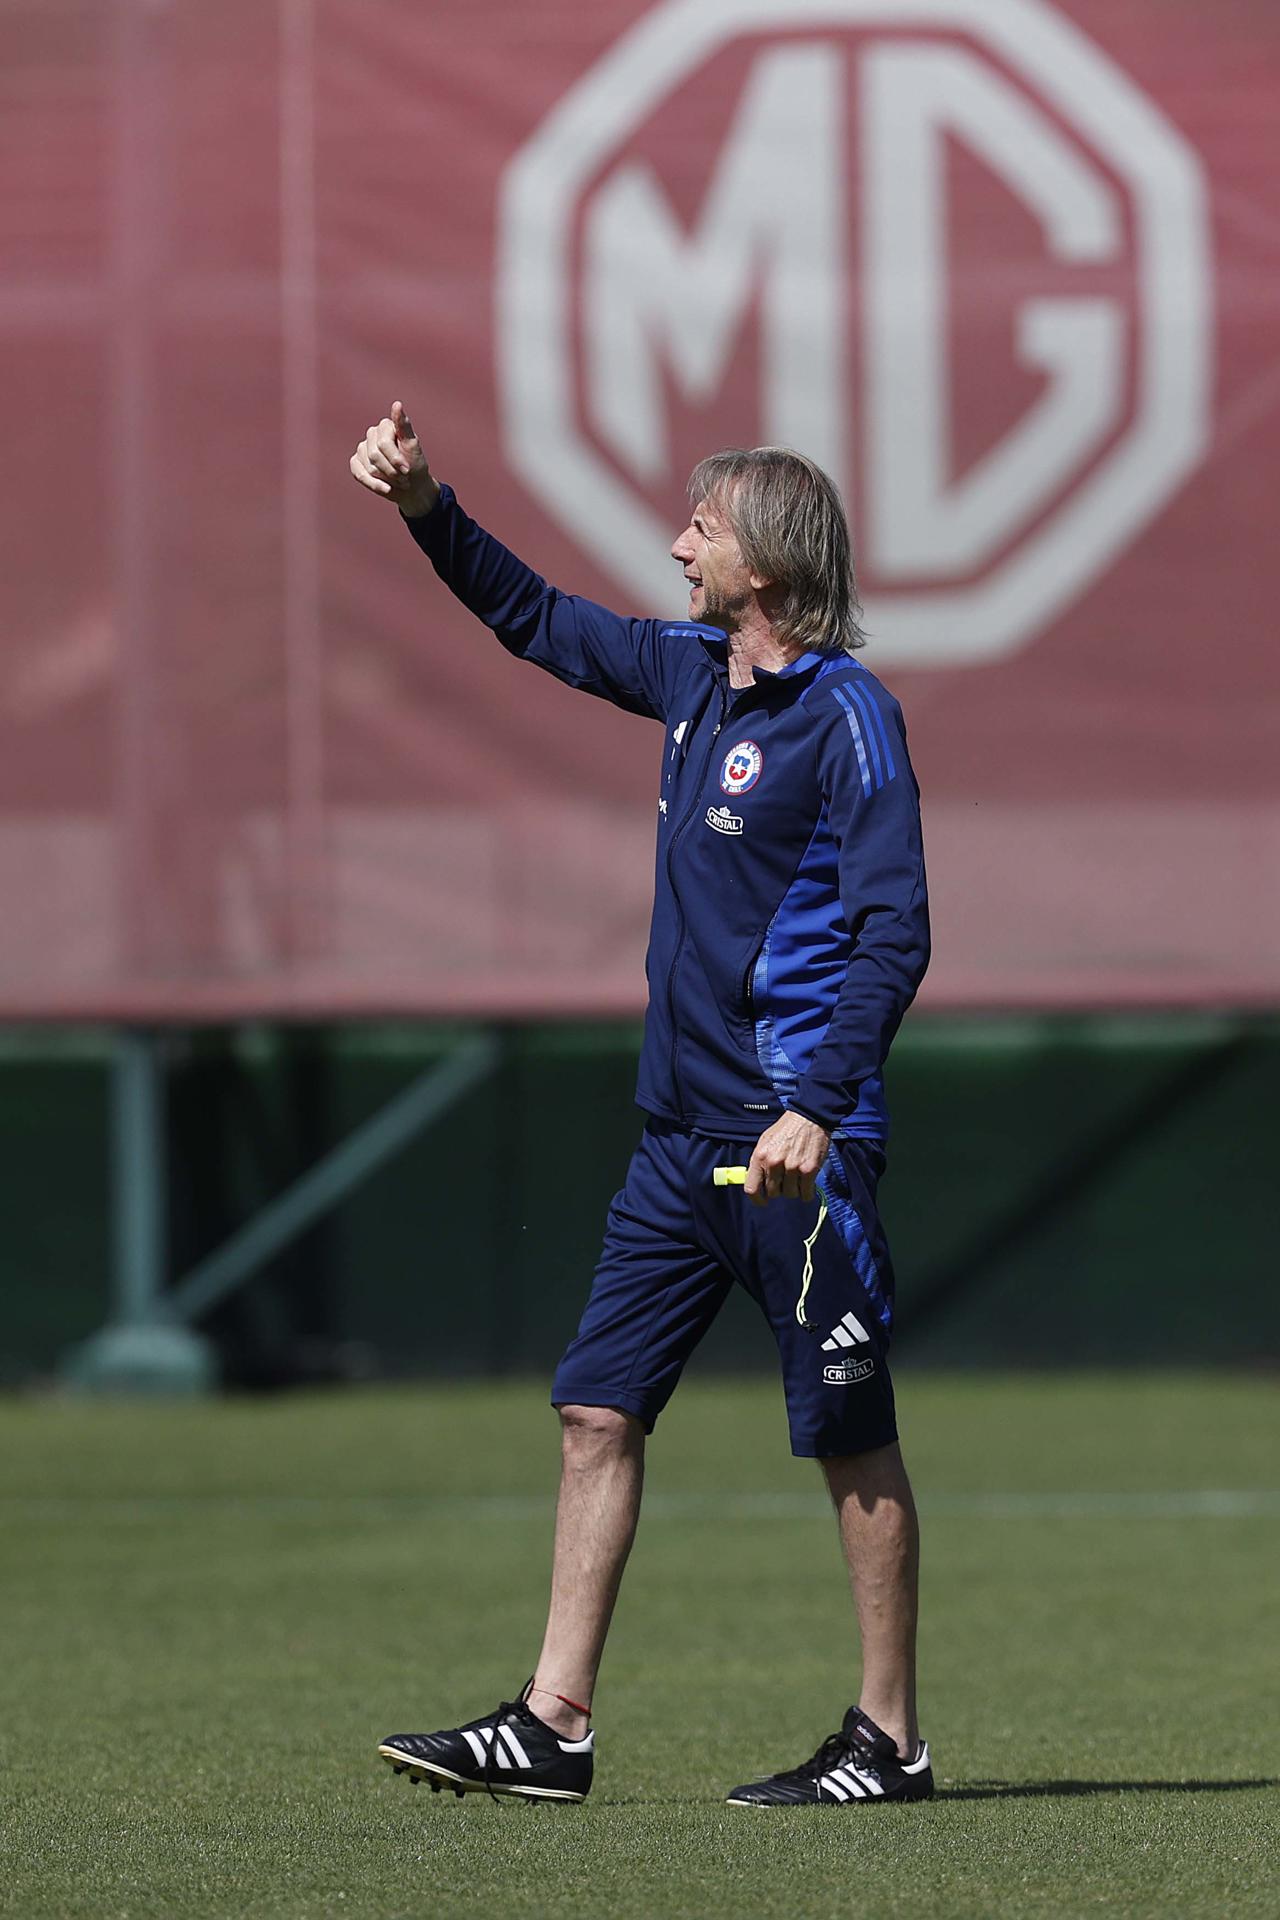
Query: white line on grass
[1189, 1505]
[1195, 1504]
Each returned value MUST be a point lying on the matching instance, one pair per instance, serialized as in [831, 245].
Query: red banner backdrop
[1011, 269]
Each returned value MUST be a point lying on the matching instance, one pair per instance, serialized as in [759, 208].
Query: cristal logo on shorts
[845, 1372]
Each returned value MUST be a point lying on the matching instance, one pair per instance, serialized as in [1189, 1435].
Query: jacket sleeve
[874, 808]
[579, 642]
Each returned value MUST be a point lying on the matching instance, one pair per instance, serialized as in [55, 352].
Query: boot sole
[438, 1777]
[872, 1800]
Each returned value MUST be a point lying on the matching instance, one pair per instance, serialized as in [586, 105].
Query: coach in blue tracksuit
[790, 932]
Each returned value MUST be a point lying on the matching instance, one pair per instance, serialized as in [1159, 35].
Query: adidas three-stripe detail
[847, 1333]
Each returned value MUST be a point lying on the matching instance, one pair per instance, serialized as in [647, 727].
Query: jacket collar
[717, 647]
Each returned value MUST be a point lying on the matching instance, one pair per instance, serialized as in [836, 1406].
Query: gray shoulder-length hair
[789, 521]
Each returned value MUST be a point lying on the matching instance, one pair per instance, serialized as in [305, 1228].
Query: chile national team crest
[741, 767]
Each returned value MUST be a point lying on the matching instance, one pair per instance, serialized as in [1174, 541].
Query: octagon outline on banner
[1097, 516]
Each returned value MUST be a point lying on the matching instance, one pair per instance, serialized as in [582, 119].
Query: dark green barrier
[1059, 1192]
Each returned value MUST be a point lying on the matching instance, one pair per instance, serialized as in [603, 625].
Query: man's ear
[759, 581]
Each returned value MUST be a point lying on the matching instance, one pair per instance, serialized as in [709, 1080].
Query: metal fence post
[141, 1349]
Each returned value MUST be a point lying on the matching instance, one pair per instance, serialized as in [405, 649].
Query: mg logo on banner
[829, 228]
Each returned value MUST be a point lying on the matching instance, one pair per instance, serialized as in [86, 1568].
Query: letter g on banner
[819, 239]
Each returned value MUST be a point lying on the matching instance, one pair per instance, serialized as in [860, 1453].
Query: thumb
[401, 422]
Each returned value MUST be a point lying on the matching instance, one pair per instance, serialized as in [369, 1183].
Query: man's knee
[592, 1431]
[880, 1473]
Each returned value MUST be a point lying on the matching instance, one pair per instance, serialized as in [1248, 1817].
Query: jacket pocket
[746, 999]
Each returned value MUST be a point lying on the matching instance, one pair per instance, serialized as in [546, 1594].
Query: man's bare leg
[602, 1474]
[881, 1539]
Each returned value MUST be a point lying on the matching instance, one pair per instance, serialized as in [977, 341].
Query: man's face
[720, 582]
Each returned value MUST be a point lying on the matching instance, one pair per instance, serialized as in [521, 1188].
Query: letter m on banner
[773, 217]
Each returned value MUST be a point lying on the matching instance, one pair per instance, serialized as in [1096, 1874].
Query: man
[789, 935]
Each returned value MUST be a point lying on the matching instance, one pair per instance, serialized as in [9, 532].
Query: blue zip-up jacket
[790, 922]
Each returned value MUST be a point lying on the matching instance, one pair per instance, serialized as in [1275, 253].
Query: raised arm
[627, 662]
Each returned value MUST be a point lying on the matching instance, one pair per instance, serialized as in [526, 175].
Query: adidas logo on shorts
[847, 1334]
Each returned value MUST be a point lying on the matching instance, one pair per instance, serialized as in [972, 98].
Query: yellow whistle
[730, 1176]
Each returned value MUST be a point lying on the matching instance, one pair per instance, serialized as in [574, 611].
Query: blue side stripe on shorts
[847, 1222]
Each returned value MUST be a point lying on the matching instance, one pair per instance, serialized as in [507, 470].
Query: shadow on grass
[976, 1790]
[1068, 1789]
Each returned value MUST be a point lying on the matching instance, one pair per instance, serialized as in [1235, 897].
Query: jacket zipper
[677, 833]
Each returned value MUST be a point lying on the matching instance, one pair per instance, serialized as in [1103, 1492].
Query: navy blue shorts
[674, 1245]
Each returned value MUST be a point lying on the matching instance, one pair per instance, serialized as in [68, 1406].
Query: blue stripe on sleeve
[870, 730]
[856, 730]
[875, 723]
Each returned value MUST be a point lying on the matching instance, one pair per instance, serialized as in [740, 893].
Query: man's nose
[680, 548]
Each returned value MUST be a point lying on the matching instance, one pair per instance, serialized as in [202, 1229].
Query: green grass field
[212, 1612]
